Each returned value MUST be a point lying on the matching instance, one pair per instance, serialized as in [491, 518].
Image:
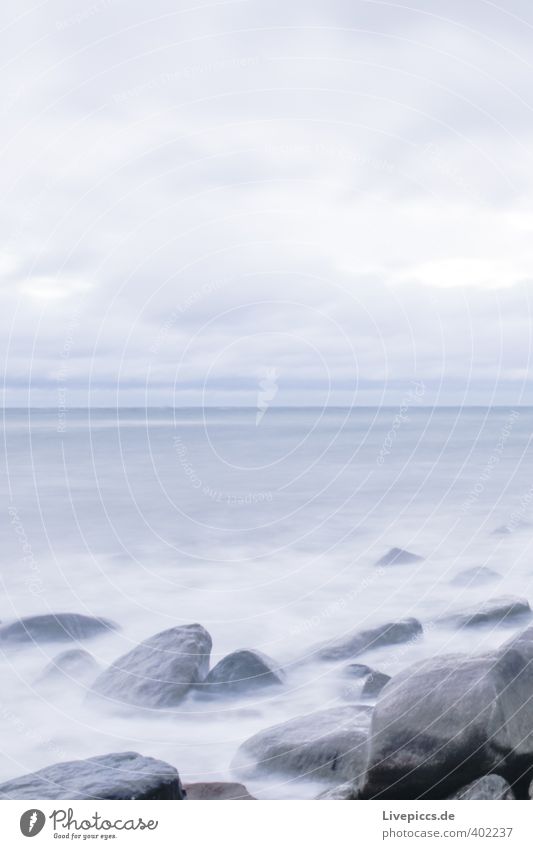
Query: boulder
[73, 665]
[398, 557]
[122, 775]
[496, 611]
[374, 684]
[328, 744]
[447, 721]
[212, 790]
[55, 628]
[476, 575]
[488, 787]
[357, 670]
[241, 672]
[357, 642]
[160, 671]
[342, 792]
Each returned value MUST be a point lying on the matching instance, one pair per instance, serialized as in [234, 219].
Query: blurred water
[267, 533]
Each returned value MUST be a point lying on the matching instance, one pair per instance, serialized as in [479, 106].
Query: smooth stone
[476, 575]
[488, 787]
[449, 720]
[73, 665]
[240, 672]
[212, 790]
[330, 743]
[55, 627]
[503, 610]
[374, 684]
[160, 671]
[357, 642]
[348, 791]
[398, 556]
[122, 775]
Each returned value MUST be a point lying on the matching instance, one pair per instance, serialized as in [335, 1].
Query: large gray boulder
[71, 666]
[55, 628]
[217, 791]
[328, 744]
[496, 611]
[447, 721]
[398, 557]
[159, 672]
[123, 775]
[241, 672]
[357, 642]
[488, 787]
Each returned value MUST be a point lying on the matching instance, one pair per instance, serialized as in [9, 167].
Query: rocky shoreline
[454, 726]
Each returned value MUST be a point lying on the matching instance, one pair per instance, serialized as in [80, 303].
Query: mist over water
[266, 530]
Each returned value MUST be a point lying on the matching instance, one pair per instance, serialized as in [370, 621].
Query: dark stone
[73, 665]
[55, 627]
[447, 721]
[123, 775]
[476, 575]
[495, 611]
[358, 642]
[328, 744]
[241, 672]
[160, 671]
[398, 557]
[213, 790]
[488, 787]
[374, 684]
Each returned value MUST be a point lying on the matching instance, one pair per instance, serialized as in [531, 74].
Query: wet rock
[488, 787]
[474, 576]
[495, 611]
[160, 671]
[347, 791]
[398, 557]
[358, 642]
[55, 627]
[241, 672]
[73, 665]
[449, 720]
[123, 775]
[374, 684]
[357, 670]
[217, 790]
[330, 743]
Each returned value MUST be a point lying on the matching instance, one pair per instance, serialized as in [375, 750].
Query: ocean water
[265, 529]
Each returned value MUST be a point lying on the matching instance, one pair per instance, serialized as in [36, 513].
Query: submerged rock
[330, 743]
[358, 642]
[398, 556]
[223, 790]
[503, 610]
[241, 672]
[357, 670]
[55, 627]
[488, 787]
[160, 671]
[449, 720]
[123, 775]
[73, 665]
[374, 684]
[476, 575]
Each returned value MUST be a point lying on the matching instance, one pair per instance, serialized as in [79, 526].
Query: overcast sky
[331, 196]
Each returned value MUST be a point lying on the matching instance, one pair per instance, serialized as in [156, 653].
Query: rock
[159, 672]
[358, 642]
[330, 743]
[398, 557]
[447, 721]
[488, 787]
[476, 575]
[347, 791]
[357, 670]
[241, 672]
[217, 790]
[73, 665]
[503, 610]
[123, 775]
[55, 627]
[374, 684]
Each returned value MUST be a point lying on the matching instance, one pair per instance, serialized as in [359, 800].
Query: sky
[330, 200]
